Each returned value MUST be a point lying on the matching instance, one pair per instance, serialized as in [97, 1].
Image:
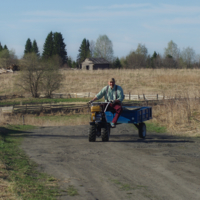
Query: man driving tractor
[113, 94]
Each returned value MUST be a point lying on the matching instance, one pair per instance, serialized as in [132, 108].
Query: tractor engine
[96, 113]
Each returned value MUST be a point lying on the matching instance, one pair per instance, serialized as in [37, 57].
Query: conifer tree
[48, 46]
[117, 63]
[84, 51]
[28, 46]
[59, 46]
[1, 48]
[5, 47]
[35, 48]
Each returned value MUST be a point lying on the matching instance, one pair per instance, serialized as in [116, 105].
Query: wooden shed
[94, 64]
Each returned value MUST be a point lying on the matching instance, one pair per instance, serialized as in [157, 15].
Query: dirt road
[160, 167]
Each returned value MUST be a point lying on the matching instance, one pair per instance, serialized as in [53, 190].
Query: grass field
[170, 82]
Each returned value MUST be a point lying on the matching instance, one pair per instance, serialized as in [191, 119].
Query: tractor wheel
[105, 133]
[92, 133]
[142, 130]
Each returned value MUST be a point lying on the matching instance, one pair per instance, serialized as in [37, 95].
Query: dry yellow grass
[178, 117]
[47, 120]
[170, 82]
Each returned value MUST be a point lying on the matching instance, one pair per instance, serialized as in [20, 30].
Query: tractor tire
[142, 130]
[92, 133]
[105, 133]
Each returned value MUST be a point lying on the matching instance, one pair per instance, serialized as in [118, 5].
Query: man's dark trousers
[114, 108]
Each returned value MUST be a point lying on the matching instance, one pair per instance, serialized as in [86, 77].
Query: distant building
[94, 64]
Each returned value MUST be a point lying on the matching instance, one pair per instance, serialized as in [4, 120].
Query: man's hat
[111, 80]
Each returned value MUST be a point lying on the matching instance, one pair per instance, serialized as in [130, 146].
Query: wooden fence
[127, 96]
[91, 94]
[76, 108]
[50, 108]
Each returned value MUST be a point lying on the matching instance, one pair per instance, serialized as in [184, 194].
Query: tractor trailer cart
[100, 120]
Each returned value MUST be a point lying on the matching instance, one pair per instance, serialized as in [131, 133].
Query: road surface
[161, 167]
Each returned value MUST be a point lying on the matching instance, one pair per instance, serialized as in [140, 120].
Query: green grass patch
[43, 100]
[27, 182]
[122, 186]
[72, 191]
[153, 127]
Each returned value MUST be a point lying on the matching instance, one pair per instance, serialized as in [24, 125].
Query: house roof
[99, 60]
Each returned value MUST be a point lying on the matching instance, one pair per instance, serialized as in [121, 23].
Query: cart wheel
[142, 130]
[92, 133]
[105, 133]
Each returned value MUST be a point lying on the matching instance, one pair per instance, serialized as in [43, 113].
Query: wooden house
[94, 64]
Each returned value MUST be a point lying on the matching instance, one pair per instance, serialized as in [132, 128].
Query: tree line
[173, 58]
[54, 44]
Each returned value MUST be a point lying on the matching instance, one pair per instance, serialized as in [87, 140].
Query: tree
[141, 50]
[5, 47]
[92, 48]
[117, 63]
[52, 77]
[7, 58]
[28, 46]
[172, 50]
[188, 56]
[31, 74]
[137, 58]
[35, 48]
[104, 48]
[48, 46]
[38, 75]
[59, 46]
[84, 51]
[1, 48]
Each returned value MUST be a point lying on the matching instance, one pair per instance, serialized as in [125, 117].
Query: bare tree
[31, 74]
[172, 50]
[104, 48]
[36, 75]
[52, 77]
[92, 48]
[188, 56]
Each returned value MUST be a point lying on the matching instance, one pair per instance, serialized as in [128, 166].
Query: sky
[126, 23]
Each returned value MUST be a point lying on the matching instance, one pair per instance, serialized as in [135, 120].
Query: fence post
[144, 96]
[22, 119]
[157, 96]
[129, 96]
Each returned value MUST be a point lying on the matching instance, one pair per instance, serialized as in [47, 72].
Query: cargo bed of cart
[135, 115]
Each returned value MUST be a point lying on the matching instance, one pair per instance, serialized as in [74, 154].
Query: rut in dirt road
[159, 167]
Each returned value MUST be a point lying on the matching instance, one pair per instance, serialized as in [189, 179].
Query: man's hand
[112, 101]
[89, 102]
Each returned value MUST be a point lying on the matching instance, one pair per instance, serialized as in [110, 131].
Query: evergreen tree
[117, 63]
[5, 47]
[48, 46]
[59, 46]
[28, 46]
[35, 48]
[1, 48]
[84, 51]
[154, 56]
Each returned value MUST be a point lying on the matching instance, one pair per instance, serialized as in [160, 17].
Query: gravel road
[160, 167]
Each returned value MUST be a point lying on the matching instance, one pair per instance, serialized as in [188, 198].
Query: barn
[94, 64]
